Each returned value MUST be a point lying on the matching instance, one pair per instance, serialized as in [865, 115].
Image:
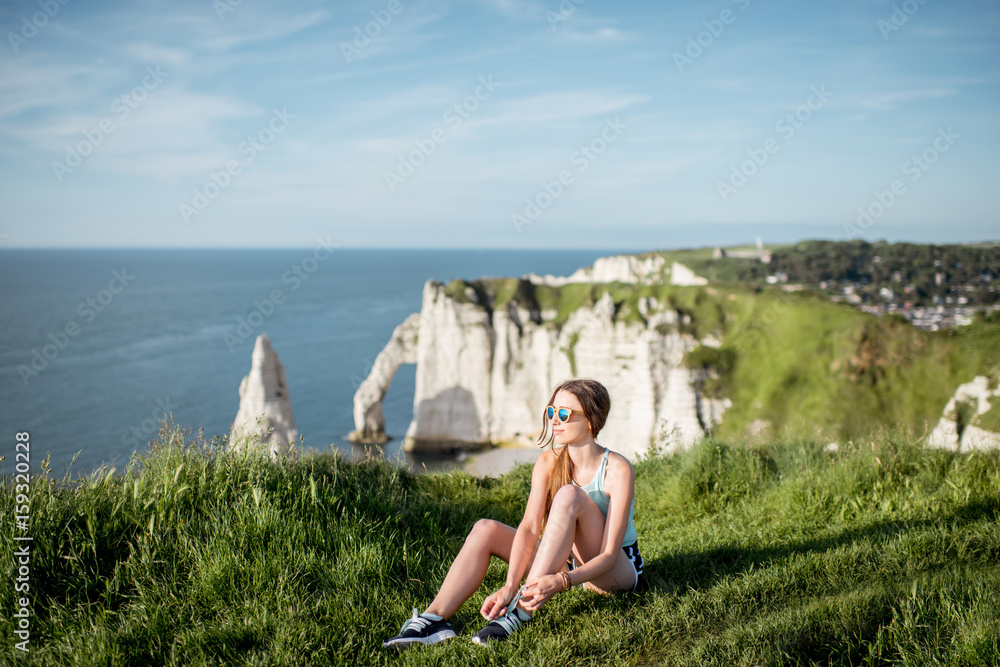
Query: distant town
[946, 312]
[932, 286]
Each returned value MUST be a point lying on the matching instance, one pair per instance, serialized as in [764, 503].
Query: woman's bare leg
[576, 525]
[487, 538]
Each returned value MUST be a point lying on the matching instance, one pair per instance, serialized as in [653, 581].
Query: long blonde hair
[596, 403]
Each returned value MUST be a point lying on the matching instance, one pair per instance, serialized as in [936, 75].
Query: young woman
[581, 505]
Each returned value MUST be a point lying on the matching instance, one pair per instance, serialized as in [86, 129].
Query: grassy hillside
[879, 554]
[806, 366]
[741, 266]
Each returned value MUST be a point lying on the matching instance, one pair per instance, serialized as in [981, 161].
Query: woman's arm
[531, 524]
[525, 540]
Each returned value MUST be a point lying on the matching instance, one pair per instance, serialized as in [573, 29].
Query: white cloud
[556, 107]
[229, 36]
[403, 34]
[521, 10]
[741, 85]
[154, 54]
[37, 83]
[599, 36]
[933, 32]
[889, 101]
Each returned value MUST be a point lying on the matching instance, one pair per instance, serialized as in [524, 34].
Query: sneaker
[420, 630]
[505, 626]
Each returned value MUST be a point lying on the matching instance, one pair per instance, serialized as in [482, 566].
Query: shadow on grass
[860, 618]
[701, 570]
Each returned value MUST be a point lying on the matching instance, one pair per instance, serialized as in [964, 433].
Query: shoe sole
[401, 644]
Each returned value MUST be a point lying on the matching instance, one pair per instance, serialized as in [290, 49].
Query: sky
[497, 123]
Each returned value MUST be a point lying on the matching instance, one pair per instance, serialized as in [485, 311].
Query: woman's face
[573, 430]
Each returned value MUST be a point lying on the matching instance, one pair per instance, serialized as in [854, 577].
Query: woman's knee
[485, 532]
[570, 499]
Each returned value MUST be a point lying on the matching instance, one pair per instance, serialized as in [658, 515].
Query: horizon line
[623, 249]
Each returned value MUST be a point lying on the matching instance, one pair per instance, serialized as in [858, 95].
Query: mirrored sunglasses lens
[564, 414]
[549, 411]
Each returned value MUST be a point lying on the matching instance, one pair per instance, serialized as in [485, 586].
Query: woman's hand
[540, 590]
[496, 604]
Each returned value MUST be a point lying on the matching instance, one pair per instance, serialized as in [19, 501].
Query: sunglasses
[563, 413]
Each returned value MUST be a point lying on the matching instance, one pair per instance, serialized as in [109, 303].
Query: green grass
[990, 420]
[728, 269]
[829, 371]
[881, 553]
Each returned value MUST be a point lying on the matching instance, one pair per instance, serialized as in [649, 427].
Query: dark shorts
[634, 557]
[632, 551]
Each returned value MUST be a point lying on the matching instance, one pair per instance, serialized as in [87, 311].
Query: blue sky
[496, 123]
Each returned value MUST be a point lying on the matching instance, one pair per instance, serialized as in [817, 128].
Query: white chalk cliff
[265, 414]
[484, 375]
[621, 268]
[977, 394]
[682, 275]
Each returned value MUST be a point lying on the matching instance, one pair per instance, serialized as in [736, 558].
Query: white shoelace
[510, 621]
[417, 621]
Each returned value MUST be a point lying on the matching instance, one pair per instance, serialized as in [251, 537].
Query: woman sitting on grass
[591, 522]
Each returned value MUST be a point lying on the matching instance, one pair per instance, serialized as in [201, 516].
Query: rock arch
[369, 421]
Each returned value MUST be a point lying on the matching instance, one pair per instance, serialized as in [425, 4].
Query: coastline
[499, 460]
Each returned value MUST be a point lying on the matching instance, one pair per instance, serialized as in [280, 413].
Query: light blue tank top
[595, 489]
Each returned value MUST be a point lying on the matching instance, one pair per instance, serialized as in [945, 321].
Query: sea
[98, 345]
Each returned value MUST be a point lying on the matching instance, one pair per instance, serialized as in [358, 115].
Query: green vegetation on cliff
[699, 309]
[881, 553]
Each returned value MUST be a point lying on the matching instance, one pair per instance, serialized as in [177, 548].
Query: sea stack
[265, 414]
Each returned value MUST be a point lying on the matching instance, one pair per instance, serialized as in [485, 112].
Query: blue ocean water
[96, 344]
